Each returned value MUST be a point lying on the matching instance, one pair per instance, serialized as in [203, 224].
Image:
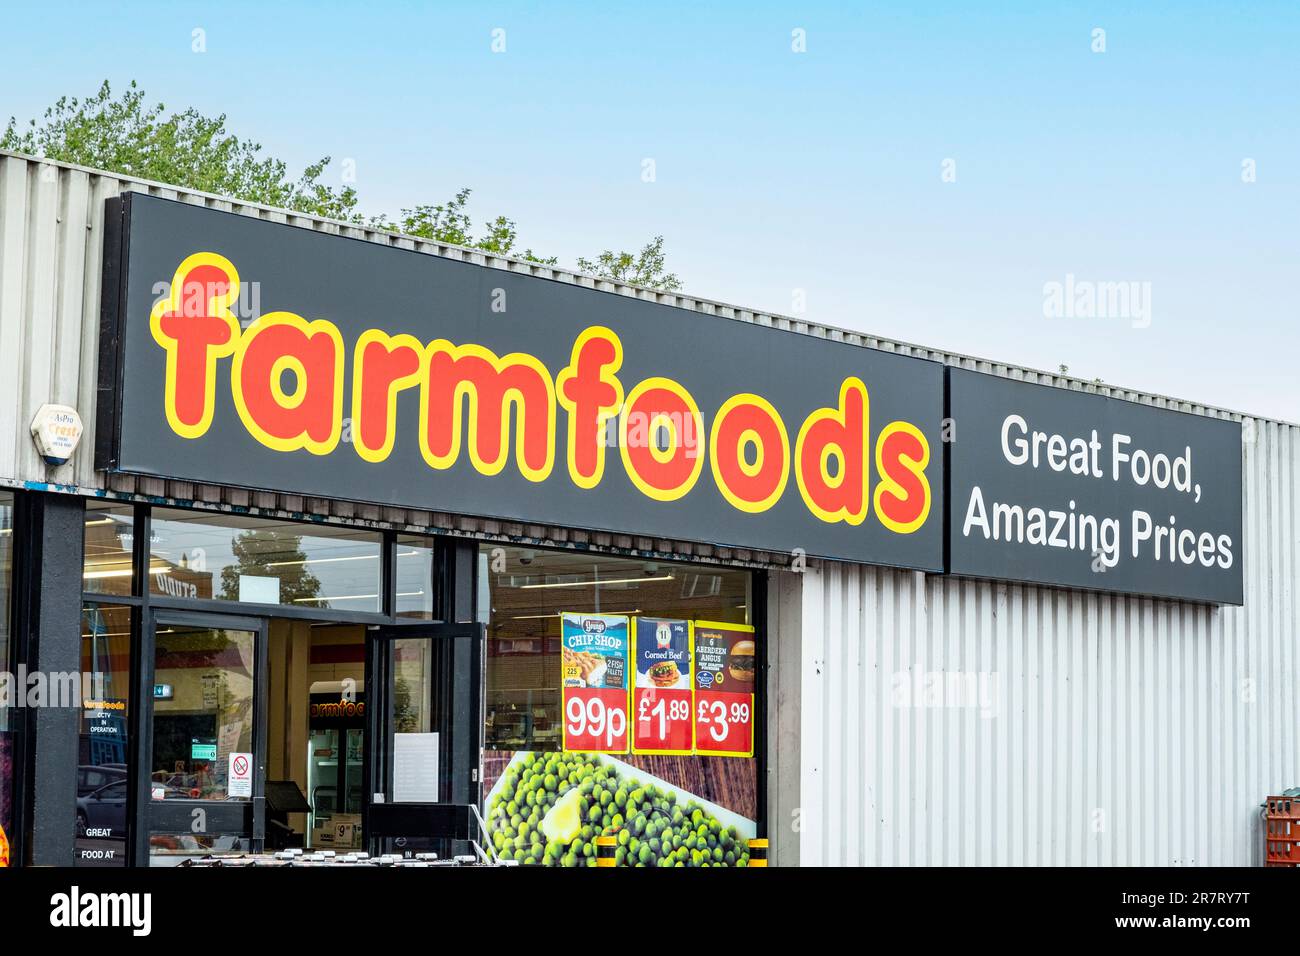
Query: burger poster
[724, 689]
[593, 671]
[662, 720]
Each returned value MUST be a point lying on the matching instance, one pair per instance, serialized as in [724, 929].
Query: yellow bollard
[758, 852]
[606, 847]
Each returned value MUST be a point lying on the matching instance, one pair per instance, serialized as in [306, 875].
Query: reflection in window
[202, 710]
[102, 823]
[414, 577]
[109, 536]
[528, 591]
[205, 556]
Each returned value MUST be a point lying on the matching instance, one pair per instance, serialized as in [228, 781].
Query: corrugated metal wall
[1111, 730]
[1130, 731]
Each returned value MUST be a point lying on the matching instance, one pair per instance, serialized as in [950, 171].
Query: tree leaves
[191, 151]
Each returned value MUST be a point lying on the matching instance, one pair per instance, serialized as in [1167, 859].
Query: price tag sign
[594, 675]
[661, 695]
[724, 689]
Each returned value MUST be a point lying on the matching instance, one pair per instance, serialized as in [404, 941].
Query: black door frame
[245, 818]
[462, 654]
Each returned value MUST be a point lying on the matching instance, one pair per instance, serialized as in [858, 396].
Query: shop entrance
[273, 733]
[203, 736]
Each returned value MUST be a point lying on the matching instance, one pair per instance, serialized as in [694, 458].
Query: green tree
[256, 549]
[126, 134]
[644, 268]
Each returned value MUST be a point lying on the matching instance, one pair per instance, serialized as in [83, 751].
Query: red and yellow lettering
[591, 393]
[310, 417]
[902, 498]
[195, 326]
[653, 407]
[840, 433]
[382, 366]
[493, 385]
[751, 481]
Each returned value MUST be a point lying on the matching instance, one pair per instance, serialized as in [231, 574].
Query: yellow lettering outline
[603, 414]
[748, 398]
[629, 406]
[391, 344]
[509, 396]
[837, 415]
[219, 307]
[309, 330]
[888, 484]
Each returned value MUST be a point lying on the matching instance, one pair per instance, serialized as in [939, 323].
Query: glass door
[423, 736]
[203, 740]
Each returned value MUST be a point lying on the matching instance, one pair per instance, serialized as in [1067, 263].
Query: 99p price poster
[594, 677]
[724, 689]
[662, 721]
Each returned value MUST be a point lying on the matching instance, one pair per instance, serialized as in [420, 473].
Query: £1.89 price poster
[662, 715]
[594, 675]
[724, 689]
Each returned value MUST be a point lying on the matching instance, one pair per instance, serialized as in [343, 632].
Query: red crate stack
[1282, 831]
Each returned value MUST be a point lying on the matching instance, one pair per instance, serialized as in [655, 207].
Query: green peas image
[744, 860]
[594, 813]
[717, 854]
[589, 849]
[730, 857]
[512, 808]
[587, 832]
[624, 838]
[605, 798]
[537, 852]
[646, 854]
[620, 797]
[616, 820]
[653, 843]
[689, 842]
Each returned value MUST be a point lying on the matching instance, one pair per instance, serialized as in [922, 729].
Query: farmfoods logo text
[286, 375]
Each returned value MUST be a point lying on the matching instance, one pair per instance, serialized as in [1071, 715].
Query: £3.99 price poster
[662, 721]
[724, 689]
[594, 675]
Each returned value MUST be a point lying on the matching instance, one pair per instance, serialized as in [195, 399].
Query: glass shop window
[6, 712]
[102, 821]
[109, 538]
[413, 577]
[619, 757]
[206, 556]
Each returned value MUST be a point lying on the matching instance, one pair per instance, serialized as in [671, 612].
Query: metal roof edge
[1105, 389]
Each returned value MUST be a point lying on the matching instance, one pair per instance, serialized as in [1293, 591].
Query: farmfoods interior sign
[266, 356]
[242, 352]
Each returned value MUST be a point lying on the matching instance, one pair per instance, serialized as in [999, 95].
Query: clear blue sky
[819, 171]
